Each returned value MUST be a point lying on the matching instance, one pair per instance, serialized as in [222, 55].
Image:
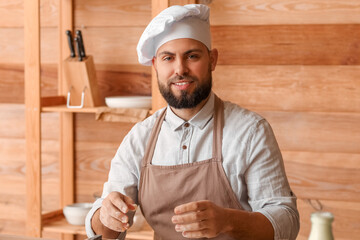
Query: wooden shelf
[64, 108]
[62, 226]
[103, 113]
[35, 104]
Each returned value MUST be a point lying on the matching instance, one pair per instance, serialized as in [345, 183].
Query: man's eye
[168, 58]
[193, 56]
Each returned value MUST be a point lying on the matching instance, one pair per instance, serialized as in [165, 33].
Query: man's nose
[181, 67]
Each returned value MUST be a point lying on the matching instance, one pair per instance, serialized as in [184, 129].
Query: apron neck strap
[218, 128]
[150, 146]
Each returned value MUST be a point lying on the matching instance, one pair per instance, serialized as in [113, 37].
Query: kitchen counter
[15, 237]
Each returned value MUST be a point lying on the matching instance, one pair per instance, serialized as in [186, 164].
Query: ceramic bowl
[75, 213]
[129, 102]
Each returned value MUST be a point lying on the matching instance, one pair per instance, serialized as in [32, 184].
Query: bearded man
[200, 167]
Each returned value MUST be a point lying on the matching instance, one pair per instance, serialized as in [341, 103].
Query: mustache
[182, 77]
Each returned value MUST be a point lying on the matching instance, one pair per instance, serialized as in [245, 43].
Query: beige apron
[162, 188]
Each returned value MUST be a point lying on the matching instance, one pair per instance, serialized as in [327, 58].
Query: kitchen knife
[70, 41]
[79, 36]
[77, 40]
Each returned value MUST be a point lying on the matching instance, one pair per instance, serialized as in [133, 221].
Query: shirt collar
[199, 120]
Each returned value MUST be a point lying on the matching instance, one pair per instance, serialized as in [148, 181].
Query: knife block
[81, 80]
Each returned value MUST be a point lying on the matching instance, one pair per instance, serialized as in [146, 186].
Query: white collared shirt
[251, 159]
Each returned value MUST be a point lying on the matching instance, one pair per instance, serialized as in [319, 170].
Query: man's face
[183, 68]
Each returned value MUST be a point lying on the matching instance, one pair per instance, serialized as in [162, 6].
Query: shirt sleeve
[123, 177]
[268, 188]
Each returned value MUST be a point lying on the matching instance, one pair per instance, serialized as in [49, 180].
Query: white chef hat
[175, 22]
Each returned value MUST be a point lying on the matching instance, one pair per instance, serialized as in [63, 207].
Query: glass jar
[321, 226]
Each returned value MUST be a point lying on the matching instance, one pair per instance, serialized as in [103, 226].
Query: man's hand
[200, 219]
[206, 219]
[112, 214]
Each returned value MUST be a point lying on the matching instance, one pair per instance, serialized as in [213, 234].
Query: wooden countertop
[18, 237]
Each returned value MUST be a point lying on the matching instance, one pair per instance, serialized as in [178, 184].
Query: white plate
[128, 102]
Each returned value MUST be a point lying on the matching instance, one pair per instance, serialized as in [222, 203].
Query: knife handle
[77, 40]
[79, 36]
[71, 45]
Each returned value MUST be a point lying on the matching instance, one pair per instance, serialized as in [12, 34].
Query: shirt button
[184, 147]
[186, 124]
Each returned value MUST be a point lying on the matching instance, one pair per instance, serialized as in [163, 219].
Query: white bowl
[76, 213]
[129, 102]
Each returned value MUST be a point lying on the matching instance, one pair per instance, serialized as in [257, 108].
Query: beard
[187, 100]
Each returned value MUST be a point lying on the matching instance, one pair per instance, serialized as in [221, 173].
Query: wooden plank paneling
[270, 12]
[92, 167]
[49, 86]
[182, 2]
[12, 161]
[290, 88]
[346, 225]
[49, 13]
[107, 45]
[12, 152]
[324, 159]
[117, 80]
[12, 13]
[223, 12]
[12, 176]
[11, 227]
[93, 160]
[12, 121]
[11, 83]
[312, 175]
[112, 45]
[287, 44]
[295, 131]
[8, 184]
[315, 175]
[13, 205]
[314, 110]
[113, 80]
[244, 45]
[12, 46]
[94, 13]
[316, 132]
[88, 191]
[88, 129]
[50, 191]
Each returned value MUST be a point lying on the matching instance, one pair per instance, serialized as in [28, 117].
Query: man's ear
[154, 63]
[213, 58]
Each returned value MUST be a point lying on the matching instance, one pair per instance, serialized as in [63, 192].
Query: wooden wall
[111, 30]
[294, 62]
[297, 64]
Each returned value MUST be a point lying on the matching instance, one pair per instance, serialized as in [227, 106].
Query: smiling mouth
[181, 83]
